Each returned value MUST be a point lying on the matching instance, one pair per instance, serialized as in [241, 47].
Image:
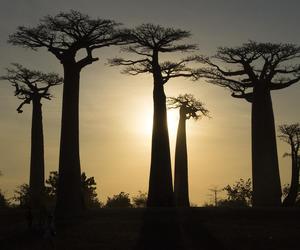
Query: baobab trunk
[265, 170]
[69, 198]
[181, 189]
[36, 181]
[290, 200]
[160, 192]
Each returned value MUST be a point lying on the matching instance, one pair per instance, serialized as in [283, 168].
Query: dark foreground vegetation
[192, 228]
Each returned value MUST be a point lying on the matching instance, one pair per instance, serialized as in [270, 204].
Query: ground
[159, 229]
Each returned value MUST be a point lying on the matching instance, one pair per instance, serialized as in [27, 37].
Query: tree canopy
[120, 200]
[272, 63]
[238, 194]
[66, 33]
[290, 134]
[192, 107]
[146, 41]
[30, 84]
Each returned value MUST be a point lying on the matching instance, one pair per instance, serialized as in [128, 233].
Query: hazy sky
[116, 110]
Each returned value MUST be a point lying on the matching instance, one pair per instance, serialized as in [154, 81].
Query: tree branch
[282, 85]
[247, 96]
[89, 59]
[26, 101]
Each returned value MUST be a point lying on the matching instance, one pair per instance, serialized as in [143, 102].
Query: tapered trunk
[69, 197]
[160, 192]
[181, 189]
[265, 170]
[36, 181]
[290, 200]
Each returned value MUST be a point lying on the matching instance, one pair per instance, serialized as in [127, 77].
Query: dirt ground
[159, 229]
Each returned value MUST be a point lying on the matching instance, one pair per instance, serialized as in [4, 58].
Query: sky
[116, 109]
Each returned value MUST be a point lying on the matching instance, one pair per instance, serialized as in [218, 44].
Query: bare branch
[206, 60]
[89, 59]
[247, 96]
[283, 83]
[26, 101]
[178, 69]
[120, 61]
[135, 50]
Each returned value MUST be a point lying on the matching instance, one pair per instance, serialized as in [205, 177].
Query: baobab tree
[256, 70]
[64, 35]
[189, 107]
[148, 43]
[32, 86]
[291, 135]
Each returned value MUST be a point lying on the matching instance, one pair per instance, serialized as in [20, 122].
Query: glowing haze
[116, 110]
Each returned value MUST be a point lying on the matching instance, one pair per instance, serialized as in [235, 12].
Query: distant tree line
[88, 187]
[240, 194]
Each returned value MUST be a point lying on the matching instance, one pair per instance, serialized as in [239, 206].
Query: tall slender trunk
[181, 188]
[290, 200]
[36, 181]
[265, 170]
[69, 197]
[160, 192]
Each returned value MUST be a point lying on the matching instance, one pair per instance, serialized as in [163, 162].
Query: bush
[238, 194]
[120, 200]
[140, 200]
[22, 195]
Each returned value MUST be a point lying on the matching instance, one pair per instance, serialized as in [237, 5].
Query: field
[160, 229]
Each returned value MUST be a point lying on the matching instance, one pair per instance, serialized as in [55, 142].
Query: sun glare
[173, 119]
[146, 121]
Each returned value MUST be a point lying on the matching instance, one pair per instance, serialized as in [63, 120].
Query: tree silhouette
[256, 70]
[88, 187]
[291, 135]
[64, 35]
[140, 200]
[31, 87]
[149, 41]
[22, 195]
[120, 200]
[238, 194]
[189, 107]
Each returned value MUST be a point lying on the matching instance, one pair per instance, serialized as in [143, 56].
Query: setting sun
[144, 120]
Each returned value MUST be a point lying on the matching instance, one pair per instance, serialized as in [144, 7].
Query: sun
[173, 119]
[146, 122]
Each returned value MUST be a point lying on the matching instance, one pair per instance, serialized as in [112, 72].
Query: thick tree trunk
[160, 192]
[265, 170]
[181, 189]
[36, 181]
[290, 200]
[69, 197]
